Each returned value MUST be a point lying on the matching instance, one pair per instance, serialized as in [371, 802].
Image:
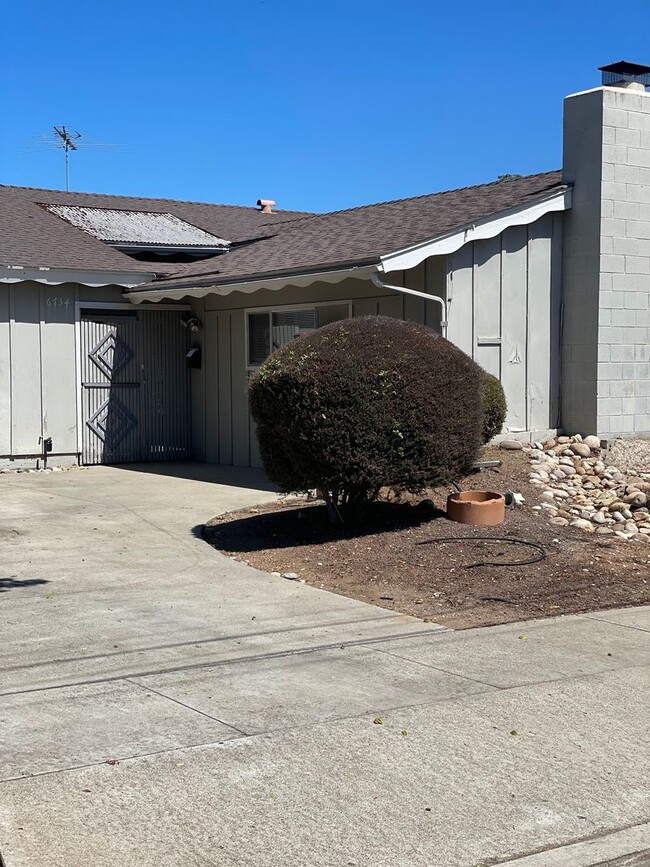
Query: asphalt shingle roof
[31, 236]
[263, 245]
[361, 235]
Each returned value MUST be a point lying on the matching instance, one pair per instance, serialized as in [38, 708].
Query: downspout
[443, 304]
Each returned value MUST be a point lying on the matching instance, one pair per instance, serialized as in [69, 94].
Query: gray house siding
[504, 310]
[39, 377]
[504, 296]
[37, 371]
[222, 430]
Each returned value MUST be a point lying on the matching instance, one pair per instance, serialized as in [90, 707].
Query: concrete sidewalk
[163, 705]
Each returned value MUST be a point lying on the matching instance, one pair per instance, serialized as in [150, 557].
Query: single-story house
[129, 327]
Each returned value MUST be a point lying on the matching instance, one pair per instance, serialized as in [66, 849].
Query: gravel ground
[632, 456]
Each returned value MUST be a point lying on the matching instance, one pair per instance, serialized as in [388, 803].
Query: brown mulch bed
[379, 556]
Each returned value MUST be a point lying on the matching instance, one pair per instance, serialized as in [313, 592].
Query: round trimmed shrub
[495, 407]
[365, 403]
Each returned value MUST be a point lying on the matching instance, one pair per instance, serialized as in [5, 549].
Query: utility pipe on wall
[443, 304]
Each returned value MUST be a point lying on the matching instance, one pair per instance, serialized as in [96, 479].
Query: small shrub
[365, 403]
[495, 407]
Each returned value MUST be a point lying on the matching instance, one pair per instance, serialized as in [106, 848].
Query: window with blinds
[271, 330]
[259, 338]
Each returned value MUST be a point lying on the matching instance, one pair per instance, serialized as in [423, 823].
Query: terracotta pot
[481, 508]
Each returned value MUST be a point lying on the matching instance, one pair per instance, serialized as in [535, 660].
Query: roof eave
[558, 199]
[86, 277]
[335, 274]
[487, 227]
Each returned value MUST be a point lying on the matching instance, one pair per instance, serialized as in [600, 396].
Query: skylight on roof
[138, 228]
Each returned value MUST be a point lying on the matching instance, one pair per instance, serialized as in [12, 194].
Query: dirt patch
[385, 556]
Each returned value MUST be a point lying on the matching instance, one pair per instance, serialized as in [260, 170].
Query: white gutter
[441, 301]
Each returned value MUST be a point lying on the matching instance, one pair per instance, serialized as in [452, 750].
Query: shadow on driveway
[238, 477]
[14, 584]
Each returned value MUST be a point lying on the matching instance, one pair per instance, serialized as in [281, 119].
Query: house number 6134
[54, 301]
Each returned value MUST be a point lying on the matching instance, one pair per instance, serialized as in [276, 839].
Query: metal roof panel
[136, 227]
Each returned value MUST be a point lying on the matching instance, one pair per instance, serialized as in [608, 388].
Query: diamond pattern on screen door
[111, 355]
[112, 422]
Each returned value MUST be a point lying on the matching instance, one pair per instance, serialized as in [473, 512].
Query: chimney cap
[266, 205]
[623, 70]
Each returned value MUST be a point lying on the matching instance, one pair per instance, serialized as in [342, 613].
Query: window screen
[269, 331]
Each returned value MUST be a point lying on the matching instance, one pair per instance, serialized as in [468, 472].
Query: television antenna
[66, 140]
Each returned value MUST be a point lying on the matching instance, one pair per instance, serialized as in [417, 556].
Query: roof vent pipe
[266, 205]
[441, 301]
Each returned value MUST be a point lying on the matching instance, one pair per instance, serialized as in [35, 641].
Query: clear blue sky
[319, 105]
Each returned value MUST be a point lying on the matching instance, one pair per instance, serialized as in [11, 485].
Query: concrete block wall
[606, 272]
[624, 310]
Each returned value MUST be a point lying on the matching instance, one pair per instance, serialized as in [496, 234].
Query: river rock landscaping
[581, 486]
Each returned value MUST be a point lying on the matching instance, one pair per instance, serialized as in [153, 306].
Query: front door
[134, 387]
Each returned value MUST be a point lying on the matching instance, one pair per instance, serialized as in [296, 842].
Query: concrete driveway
[163, 705]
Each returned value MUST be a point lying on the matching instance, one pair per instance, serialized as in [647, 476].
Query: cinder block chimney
[606, 258]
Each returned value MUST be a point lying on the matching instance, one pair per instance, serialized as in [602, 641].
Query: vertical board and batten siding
[37, 369]
[224, 385]
[540, 305]
[429, 276]
[5, 371]
[514, 359]
[382, 306]
[487, 304]
[460, 299]
[26, 366]
[227, 431]
[241, 425]
[504, 296]
[504, 309]
[224, 431]
[59, 381]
